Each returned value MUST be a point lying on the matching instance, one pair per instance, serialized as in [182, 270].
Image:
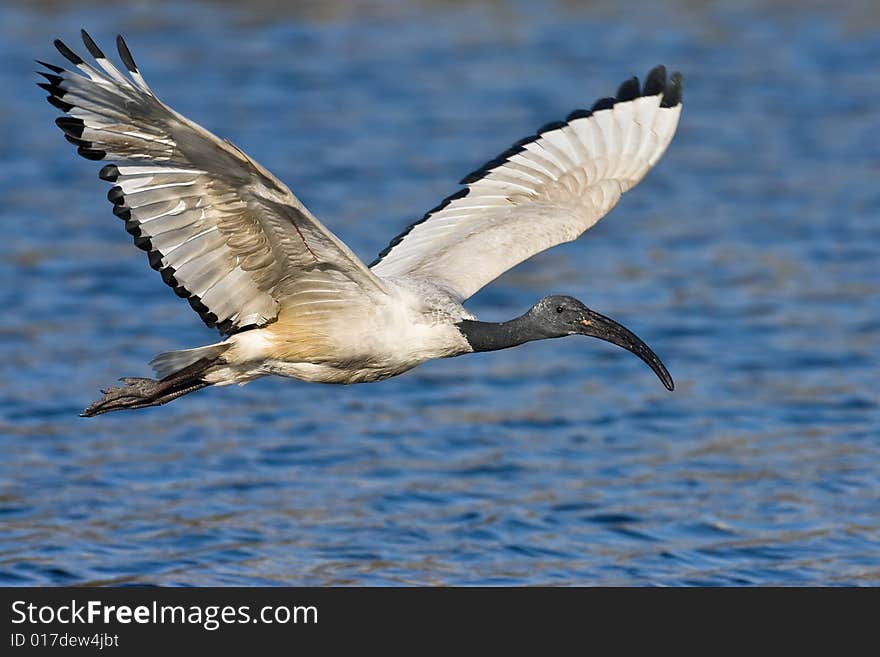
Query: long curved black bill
[605, 328]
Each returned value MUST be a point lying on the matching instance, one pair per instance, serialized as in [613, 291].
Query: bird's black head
[558, 316]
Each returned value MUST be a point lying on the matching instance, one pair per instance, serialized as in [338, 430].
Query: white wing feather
[546, 190]
[223, 232]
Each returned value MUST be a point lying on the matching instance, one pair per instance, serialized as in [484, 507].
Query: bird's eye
[559, 309]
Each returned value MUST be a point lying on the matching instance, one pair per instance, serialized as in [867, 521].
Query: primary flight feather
[292, 299]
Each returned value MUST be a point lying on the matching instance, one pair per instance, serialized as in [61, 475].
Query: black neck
[489, 336]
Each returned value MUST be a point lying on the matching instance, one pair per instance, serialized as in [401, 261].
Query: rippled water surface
[748, 259]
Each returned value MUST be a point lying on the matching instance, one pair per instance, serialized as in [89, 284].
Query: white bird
[289, 297]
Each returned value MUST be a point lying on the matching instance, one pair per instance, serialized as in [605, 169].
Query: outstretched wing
[545, 190]
[223, 232]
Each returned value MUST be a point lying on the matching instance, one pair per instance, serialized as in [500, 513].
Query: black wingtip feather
[225, 327]
[553, 125]
[155, 259]
[672, 92]
[143, 242]
[472, 177]
[76, 141]
[183, 293]
[525, 140]
[133, 228]
[628, 90]
[578, 114]
[68, 54]
[51, 67]
[603, 104]
[72, 127]
[91, 46]
[53, 87]
[204, 312]
[60, 104]
[125, 54]
[110, 173]
[655, 83]
[91, 153]
[461, 193]
[167, 275]
[197, 305]
[116, 196]
[498, 161]
[53, 79]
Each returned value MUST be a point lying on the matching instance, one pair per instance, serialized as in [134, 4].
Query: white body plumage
[413, 324]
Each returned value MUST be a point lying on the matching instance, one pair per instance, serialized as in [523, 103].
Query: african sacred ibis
[288, 297]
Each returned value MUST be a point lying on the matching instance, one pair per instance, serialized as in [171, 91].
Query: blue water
[748, 259]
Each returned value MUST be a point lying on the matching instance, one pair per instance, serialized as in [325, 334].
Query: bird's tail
[180, 372]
